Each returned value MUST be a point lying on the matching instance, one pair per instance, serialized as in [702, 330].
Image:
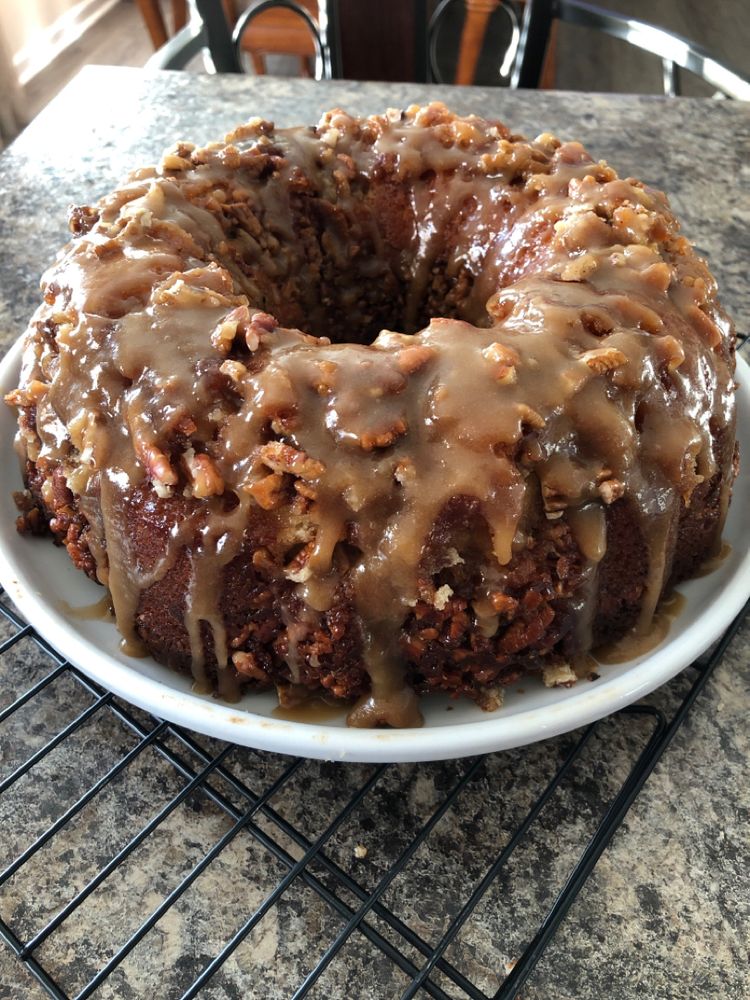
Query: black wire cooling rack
[343, 889]
[137, 853]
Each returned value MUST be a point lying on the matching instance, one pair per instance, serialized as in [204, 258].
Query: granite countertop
[666, 912]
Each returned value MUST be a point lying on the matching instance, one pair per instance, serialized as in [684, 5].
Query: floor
[120, 38]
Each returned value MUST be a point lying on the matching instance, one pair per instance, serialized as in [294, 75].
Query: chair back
[675, 51]
[210, 30]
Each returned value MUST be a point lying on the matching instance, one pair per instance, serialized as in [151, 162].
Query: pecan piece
[530, 417]
[504, 359]
[305, 489]
[284, 458]
[267, 492]
[504, 604]
[490, 699]
[579, 268]
[225, 332]
[233, 370]
[172, 160]
[27, 396]
[411, 359]
[247, 665]
[370, 440]
[298, 570]
[604, 359]
[205, 478]
[559, 675]
[327, 380]
[611, 490]
[671, 351]
[160, 471]
[553, 500]
[405, 471]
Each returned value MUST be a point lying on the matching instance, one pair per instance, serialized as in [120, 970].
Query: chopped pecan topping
[233, 370]
[405, 471]
[490, 698]
[604, 359]
[82, 219]
[500, 354]
[706, 327]
[205, 478]
[284, 458]
[611, 490]
[267, 492]
[672, 352]
[326, 382]
[553, 500]
[263, 322]
[160, 471]
[171, 161]
[579, 268]
[370, 440]
[305, 489]
[442, 596]
[263, 560]
[558, 675]
[530, 417]
[224, 333]
[186, 425]
[29, 395]
[298, 570]
[411, 359]
[246, 665]
[200, 288]
[504, 604]
[504, 360]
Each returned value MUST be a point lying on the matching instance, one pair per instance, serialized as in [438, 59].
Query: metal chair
[508, 8]
[210, 31]
[676, 52]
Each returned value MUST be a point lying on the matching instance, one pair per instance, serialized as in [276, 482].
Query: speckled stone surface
[666, 913]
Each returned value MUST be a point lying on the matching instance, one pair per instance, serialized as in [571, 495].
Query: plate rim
[236, 724]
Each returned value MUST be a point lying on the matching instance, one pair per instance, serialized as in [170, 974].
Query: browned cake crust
[374, 514]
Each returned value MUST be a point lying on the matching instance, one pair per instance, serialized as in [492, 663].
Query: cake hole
[362, 262]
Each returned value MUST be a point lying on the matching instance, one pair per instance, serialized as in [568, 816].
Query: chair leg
[154, 21]
[179, 14]
[259, 63]
[305, 69]
[230, 11]
[472, 37]
[548, 79]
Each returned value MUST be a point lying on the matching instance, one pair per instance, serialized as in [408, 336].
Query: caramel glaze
[639, 642]
[581, 360]
[100, 610]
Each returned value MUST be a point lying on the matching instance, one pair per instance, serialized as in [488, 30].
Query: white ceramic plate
[39, 577]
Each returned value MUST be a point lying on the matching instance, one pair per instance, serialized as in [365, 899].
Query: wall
[35, 31]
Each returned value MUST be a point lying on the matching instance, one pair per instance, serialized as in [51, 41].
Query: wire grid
[253, 793]
[233, 847]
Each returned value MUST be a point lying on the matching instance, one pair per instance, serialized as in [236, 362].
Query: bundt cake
[512, 479]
